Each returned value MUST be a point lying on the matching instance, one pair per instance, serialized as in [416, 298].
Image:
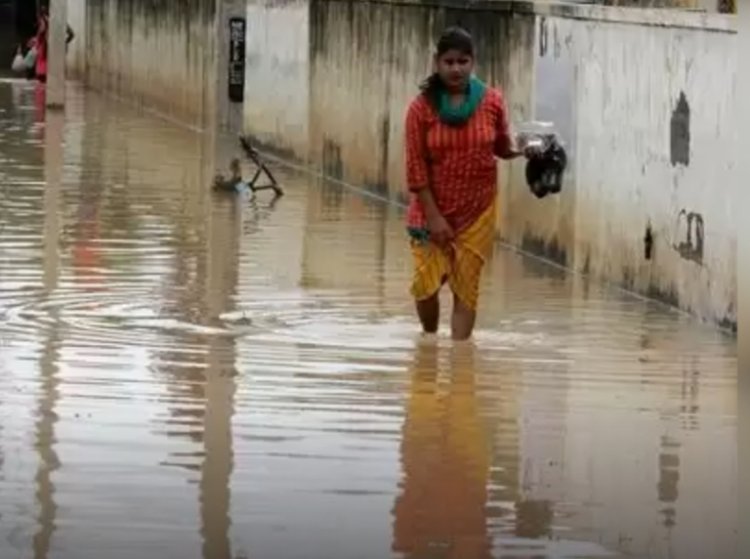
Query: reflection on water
[446, 460]
[183, 374]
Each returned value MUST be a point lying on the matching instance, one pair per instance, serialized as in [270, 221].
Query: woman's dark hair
[453, 38]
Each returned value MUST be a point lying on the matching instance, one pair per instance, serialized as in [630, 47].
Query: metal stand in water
[235, 182]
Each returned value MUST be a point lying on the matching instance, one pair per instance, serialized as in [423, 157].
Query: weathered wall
[150, 52]
[650, 143]
[277, 84]
[76, 55]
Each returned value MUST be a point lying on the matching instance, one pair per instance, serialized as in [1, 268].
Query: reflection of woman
[455, 129]
[446, 462]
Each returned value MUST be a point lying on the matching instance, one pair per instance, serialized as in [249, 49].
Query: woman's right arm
[418, 173]
[417, 168]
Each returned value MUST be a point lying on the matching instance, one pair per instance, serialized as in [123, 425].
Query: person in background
[40, 41]
[455, 129]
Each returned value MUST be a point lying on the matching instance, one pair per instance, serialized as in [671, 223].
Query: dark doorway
[17, 25]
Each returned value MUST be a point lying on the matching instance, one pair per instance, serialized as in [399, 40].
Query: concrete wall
[650, 146]
[76, 56]
[277, 62]
[173, 61]
[151, 53]
[339, 105]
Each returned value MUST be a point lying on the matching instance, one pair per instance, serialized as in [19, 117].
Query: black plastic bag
[544, 172]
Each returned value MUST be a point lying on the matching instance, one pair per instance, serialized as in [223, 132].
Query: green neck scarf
[458, 115]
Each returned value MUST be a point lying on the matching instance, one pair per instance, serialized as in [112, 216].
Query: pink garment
[41, 47]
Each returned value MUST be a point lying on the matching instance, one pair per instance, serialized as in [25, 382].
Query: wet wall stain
[156, 12]
[729, 324]
[627, 278]
[549, 249]
[648, 243]
[668, 296]
[153, 53]
[586, 268]
[385, 140]
[691, 247]
[497, 35]
[543, 36]
[679, 135]
[333, 166]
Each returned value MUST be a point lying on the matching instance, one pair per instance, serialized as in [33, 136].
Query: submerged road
[192, 376]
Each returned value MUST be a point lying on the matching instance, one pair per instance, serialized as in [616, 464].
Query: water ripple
[254, 363]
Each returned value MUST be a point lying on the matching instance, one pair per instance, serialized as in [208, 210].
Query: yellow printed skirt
[460, 264]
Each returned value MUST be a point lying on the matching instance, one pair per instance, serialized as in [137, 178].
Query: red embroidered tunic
[457, 163]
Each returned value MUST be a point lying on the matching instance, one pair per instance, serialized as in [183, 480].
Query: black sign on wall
[237, 59]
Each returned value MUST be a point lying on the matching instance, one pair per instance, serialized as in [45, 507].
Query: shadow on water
[195, 375]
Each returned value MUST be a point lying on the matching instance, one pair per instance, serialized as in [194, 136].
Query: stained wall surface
[650, 201]
[149, 52]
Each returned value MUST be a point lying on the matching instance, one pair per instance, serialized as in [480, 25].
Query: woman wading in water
[455, 129]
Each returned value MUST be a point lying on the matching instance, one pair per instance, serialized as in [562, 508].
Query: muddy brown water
[196, 376]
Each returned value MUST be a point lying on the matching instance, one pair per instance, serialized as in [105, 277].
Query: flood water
[186, 375]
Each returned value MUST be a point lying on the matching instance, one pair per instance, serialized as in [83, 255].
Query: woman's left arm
[505, 147]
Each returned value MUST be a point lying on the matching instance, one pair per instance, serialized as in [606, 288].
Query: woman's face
[454, 68]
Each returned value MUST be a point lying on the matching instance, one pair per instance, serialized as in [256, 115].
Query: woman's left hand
[533, 151]
[529, 152]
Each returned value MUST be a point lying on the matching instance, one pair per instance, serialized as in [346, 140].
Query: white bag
[30, 59]
[19, 63]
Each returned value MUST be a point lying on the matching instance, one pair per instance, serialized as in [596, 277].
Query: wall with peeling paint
[653, 206]
[150, 52]
[649, 176]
